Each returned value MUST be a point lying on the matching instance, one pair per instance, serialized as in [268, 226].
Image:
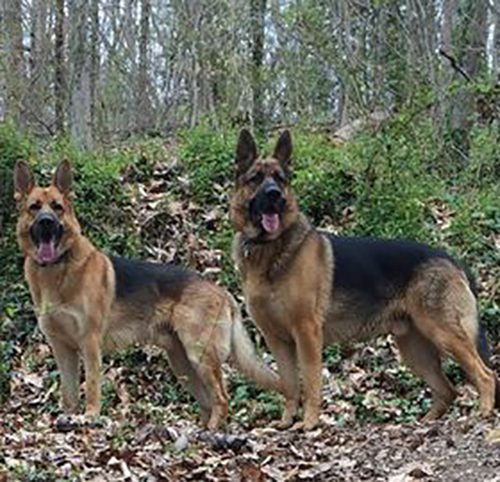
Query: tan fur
[81, 317]
[289, 307]
[288, 282]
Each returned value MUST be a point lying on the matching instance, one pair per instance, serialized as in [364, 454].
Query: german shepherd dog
[306, 288]
[88, 303]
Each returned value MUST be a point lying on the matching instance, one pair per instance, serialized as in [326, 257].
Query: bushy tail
[485, 354]
[244, 354]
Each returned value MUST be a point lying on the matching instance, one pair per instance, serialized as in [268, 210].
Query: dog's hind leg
[209, 369]
[465, 353]
[445, 311]
[485, 354]
[424, 359]
[205, 361]
[186, 374]
[67, 361]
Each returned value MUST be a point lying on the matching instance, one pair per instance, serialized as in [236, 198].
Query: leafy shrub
[208, 157]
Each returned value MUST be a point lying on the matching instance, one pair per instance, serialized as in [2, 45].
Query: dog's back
[148, 280]
[378, 268]
[374, 282]
[146, 294]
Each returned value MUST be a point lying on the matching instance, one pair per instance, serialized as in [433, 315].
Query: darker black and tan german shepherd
[87, 303]
[305, 288]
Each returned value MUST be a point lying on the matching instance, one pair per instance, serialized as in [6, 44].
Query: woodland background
[394, 106]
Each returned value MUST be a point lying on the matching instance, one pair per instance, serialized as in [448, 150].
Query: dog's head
[263, 205]
[47, 226]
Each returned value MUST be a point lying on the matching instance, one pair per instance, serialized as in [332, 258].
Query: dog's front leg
[309, 342]
[67, 360]
[92, 361]
[286, 357]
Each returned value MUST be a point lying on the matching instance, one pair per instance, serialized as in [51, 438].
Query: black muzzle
[269, 200]
[46, 228]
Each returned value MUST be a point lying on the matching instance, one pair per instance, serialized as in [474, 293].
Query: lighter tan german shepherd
[305, 288]
[87, 303]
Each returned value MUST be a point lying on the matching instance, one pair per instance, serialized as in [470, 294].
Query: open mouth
[46, 252]
[266, 211]
[270, 222]
[46, 234]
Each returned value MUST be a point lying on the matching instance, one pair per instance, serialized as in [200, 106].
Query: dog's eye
[279, 177]
[34, 207]
[57, 206]
[256, 178]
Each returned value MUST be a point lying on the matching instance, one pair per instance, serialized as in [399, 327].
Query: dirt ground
[39, 446]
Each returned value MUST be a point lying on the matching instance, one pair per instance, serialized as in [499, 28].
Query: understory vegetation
[167, 200]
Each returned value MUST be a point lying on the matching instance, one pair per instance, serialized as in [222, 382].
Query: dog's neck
[272, 257]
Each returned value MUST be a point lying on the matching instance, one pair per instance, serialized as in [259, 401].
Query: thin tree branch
[455, 66]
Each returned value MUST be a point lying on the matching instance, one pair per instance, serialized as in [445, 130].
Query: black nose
[272, 192]
[45, 220]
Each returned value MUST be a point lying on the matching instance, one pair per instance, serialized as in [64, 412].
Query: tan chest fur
[60, 319]
[300, 293]
[63, 298]
[269, 305]
[64, 322]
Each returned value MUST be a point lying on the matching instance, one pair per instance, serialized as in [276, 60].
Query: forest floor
[143, 441]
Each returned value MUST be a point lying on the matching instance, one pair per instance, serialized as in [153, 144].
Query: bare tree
[143, 111]
[94, 66]
[470, 63]
[102, 68]
[15, 72]
[38, 91]
[59, 84]
[257, 16]
[78, 73]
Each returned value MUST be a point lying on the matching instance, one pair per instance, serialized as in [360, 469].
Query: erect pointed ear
[23, 180]
[246, 152]
[283, 150]
[63, 177]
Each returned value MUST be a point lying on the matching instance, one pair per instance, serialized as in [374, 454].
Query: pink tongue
[271, 222]
[46, 252]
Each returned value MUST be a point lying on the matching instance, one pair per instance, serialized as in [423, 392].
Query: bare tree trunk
[94, 66]
[472, 59]
[15, 81]
[449, 7]
[143, 120]
[59, 84]
[341, 108]
[39, 65]
[496, 39]
[493, 43]
[448, 10]
[257, 13]
[79, 75]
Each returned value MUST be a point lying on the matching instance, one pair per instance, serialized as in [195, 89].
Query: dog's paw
[297, 426]
[223, 441]
[305, 425]
[282, 424]
[69, 423]
[96, 421]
